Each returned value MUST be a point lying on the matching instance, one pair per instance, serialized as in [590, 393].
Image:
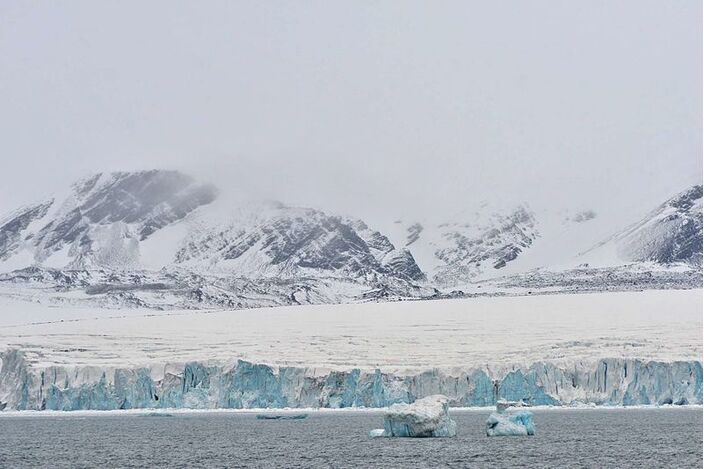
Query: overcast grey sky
[382, 107]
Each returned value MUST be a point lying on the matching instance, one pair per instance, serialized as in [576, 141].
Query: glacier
[510, 423]
[241, 384]
[425, 418]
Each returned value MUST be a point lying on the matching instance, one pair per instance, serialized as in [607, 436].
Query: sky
[382, 109]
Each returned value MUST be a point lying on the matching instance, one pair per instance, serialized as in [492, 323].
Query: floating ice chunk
[502, 405]
[427, 417]
[376, 433]
[281, 417]
[517, 423]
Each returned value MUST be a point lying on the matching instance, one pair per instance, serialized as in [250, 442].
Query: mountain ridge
[110, 224]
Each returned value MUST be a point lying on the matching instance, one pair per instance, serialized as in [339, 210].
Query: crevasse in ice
[241, 384]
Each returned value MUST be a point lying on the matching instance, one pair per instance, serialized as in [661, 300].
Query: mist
[377, 109]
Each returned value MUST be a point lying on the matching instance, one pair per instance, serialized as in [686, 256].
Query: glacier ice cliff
[425, 418]
[241, 384]
[510, 423]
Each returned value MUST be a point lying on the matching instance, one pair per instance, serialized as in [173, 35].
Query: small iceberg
[510, 424]
[156, 414]
[502, 405]
[425, 418]
[509, 420]
[281, 417]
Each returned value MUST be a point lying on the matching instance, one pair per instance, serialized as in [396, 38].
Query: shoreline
[312, 410]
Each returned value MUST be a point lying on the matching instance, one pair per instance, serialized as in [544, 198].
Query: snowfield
[489, 333]
[627, 348]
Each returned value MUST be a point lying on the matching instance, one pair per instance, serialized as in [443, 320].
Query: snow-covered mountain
[274, 240]
[162, 239]
[472, 245]
[670, 233]
[106, 221]
[101, 221]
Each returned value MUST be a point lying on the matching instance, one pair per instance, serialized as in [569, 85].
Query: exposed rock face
[583, 216]
[103, 218]
[248, 385]
[297, 242]
[468, 250]
[12, 227]
[101, 238]
[401, 262]
[673, 233]
[414, 232]
[184, 289]
[149, 199]
[670, 233]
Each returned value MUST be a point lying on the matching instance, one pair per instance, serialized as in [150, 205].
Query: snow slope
[100, 221]
[471, 245]
[154, 219]
[670, 233]
[491, 242]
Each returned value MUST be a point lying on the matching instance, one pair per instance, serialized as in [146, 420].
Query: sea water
[564, 438]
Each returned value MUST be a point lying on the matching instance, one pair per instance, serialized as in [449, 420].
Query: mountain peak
[671, 233]
[103, 212]
[144, 221]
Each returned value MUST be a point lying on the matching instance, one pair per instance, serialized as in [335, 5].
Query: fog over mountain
[382, 111]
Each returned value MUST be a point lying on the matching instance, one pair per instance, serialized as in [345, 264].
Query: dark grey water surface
[565, 438]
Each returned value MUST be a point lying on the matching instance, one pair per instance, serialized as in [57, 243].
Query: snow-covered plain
[489, 333]
[628, 348]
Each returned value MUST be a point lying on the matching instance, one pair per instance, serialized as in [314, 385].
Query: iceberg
[281, 417]
[156, 414]
[427, 417]
[510, 423]
[502, 405]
